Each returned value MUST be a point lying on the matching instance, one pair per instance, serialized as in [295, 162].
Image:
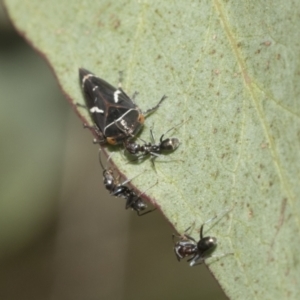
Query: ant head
[139, 205]
[109, 179]
[169, 144]
[207, 244]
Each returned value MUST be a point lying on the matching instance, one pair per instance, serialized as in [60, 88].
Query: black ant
[198, 251]
[151, 148]
[117, 189]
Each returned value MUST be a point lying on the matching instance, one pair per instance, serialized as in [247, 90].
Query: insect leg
[151, 110]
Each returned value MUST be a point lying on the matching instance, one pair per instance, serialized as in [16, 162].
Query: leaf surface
[232, 70]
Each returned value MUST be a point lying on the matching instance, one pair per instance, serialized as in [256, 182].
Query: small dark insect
[135, 202]
[199, 251]
[152, 149]
[117, 189]
[115, 115]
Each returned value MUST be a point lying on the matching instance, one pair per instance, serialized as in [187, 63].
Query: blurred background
[61, 235]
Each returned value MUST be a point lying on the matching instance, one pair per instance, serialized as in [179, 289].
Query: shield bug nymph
[115, 115]
[198, 251]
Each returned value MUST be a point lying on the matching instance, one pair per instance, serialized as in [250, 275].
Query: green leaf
[232, 69]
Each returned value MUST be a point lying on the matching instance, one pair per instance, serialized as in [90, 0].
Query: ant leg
[152, 158]
[148, 189]
[221, 255]
[173, 237]
[185, 235]
[81, 105]
[151, 210]
[108, 159]
[134, 96]
[96, 131]
[200, 261]
[151, 110]
[196, 260]
[100, 142]
[100, 160]
[175, 126]
[93, 127]
[223, 212]
[152, 136]
[146, 212]
[129, 179]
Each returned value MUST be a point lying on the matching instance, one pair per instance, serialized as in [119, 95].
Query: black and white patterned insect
[197, 251]
[117, 189]
[115, 115]
[151, 148]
